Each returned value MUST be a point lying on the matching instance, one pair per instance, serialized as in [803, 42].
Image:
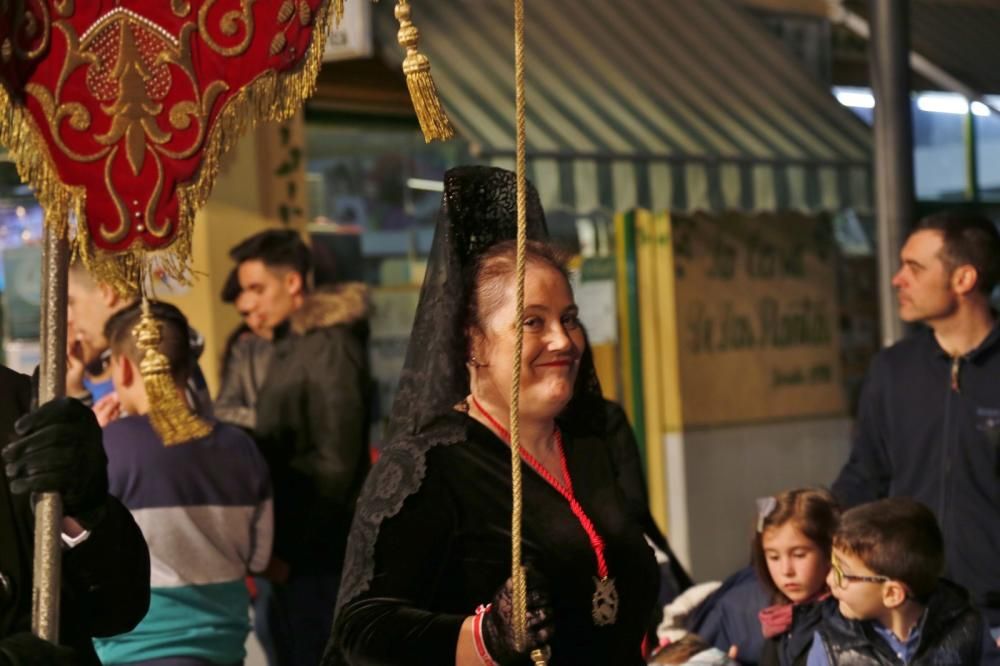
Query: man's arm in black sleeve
[866, 475]
[231, 404]
[106, 577]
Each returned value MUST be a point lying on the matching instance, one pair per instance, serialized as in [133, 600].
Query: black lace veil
[478, 209]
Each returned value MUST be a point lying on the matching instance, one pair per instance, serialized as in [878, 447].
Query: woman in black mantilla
[431, 536]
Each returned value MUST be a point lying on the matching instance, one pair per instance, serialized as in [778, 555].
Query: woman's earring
[474, 361]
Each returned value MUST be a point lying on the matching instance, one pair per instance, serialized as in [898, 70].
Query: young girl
[791, 554]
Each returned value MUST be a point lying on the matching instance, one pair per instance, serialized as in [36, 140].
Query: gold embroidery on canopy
[64, 7]
[269, 96]
[180, 8]
[25, 27]
[228, 25]
[116, 234]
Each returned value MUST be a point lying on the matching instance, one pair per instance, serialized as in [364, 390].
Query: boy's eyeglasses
[100, 364]
[842, 579]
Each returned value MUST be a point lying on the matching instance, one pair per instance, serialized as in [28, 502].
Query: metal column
[889, 54]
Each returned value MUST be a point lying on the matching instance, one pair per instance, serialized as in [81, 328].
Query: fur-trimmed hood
[347, 303]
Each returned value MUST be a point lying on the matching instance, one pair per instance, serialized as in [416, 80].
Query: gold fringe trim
[124, 270]
[270, 97]
[22, 139]
[434, 122]
[171, 417]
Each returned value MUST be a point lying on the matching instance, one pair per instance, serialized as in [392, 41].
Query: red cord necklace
[605, 599]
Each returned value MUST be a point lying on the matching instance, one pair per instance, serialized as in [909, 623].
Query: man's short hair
[175, 337]
[969, 238]
[277, 249]
[231, 288]
[898, 538]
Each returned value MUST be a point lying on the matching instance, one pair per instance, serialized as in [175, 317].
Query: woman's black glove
[498, 623]
[26, 649]
[59, 449]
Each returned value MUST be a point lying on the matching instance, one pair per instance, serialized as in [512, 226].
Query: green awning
[666, 104]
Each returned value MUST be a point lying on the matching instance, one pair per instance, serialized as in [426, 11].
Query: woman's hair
[493, 271]
[813, 511]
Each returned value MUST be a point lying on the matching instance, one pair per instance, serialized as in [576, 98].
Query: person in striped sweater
[204, 507]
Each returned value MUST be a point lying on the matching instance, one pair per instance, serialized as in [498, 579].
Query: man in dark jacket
[929, 418]
[312, 426]
[245, 360]
[105, 570]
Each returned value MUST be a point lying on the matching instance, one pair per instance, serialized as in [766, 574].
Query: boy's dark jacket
[951, 633]
[919, 436]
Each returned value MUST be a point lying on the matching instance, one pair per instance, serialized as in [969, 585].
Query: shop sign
[353, 38]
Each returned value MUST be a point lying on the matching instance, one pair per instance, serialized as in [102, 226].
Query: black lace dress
[430, 539]
[448, 550]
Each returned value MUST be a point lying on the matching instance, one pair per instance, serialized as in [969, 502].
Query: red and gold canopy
[118, 111]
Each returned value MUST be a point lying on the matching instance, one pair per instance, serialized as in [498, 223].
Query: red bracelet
[477, 636]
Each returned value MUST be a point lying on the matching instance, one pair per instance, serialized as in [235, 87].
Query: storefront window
[939, 146]
[20, 270]
[378, 179]
[940, 129]
[374, 194]
[988, 152]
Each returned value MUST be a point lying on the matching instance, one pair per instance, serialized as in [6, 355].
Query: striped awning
[665, 104]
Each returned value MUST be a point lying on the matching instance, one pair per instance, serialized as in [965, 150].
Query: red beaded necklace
[605, 600]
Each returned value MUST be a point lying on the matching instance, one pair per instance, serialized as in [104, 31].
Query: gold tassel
[433, 120]
[171, 418]
[338, 12]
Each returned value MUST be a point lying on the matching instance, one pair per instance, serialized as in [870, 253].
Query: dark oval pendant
[605, 602]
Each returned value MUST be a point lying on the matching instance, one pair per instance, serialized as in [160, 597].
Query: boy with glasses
[894, 608]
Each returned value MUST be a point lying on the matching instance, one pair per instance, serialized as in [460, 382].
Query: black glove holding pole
[26, 649]
[59, 448]
[498, 623]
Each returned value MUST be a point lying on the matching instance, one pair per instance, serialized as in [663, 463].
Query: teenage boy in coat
[312, 427]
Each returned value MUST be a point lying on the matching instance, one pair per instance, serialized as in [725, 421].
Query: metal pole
[971, 157]
[52, 384]
[889, 51]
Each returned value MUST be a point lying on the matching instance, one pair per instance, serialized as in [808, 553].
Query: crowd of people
[276, 504]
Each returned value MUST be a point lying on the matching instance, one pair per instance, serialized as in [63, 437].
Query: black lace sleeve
[387, 623]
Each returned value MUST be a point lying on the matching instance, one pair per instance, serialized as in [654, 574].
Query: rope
[517, 571]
